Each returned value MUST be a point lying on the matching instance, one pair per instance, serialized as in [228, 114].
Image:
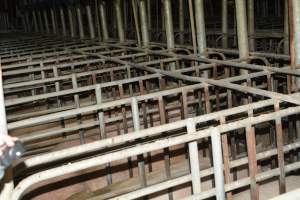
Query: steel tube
[194, 158]
[144, 23]
[241, 19]
[103, 20]
[35, 23]
[181, 21]
[8, 184]
[119, 18]
[251, 24]
[136, 127]
[79, 20]
[286, 29]
[40, 21]
[169, 24]
[200, 25]
[53, 21]
[218, 163]
[296, 29]
[63, 23]
[225, 23]
[71, 21]
[136, 21]
[201, 34]
[90, 21]
[45, 13]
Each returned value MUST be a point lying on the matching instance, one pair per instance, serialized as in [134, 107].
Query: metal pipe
[136, 127]
[286, 28]
[167, 8]
[90, 21]
[251, 24]
[8, 184]
[40, 21]
[225, 23]
[103, 20]
[46, 21]
[194, 158]
[192, 21]
[201, 35]
[149, 15]
[169, 24]
[53, 20]
[200, 25]
[27, 21]
[63, 23]
[218, 163]
[181, 21]
[71, 21]
[144, 23]
[35, 24]
[296, 29]
[119, 18]
[136, 21]
[242, 30]
[79, 19]
[97, 20]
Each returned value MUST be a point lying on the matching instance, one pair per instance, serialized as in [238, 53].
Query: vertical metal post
[181, 22]
[8, 186]
[136, 21]
[144, 24]
[53, 21]
[63, 24]
[136, 126]
[102, 130]
[103, 20]
[192, 20]
[46, 21]
[71, 22]
[251, 150]
[90, 20]
[98, 29]
[201, 34]
[169, 28]
[23, 22]
[225, 24]
[40, 21]
[218, 163]
[251, 24]
[286, 28]
[226, 159]
[149, 15]
[296, 31]
[119, 18]
[242, 30]
[294, 18]
[280, 151]
[169, 24]
[80, 25]
[35, 24]
[194, 158]
[27, 21]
